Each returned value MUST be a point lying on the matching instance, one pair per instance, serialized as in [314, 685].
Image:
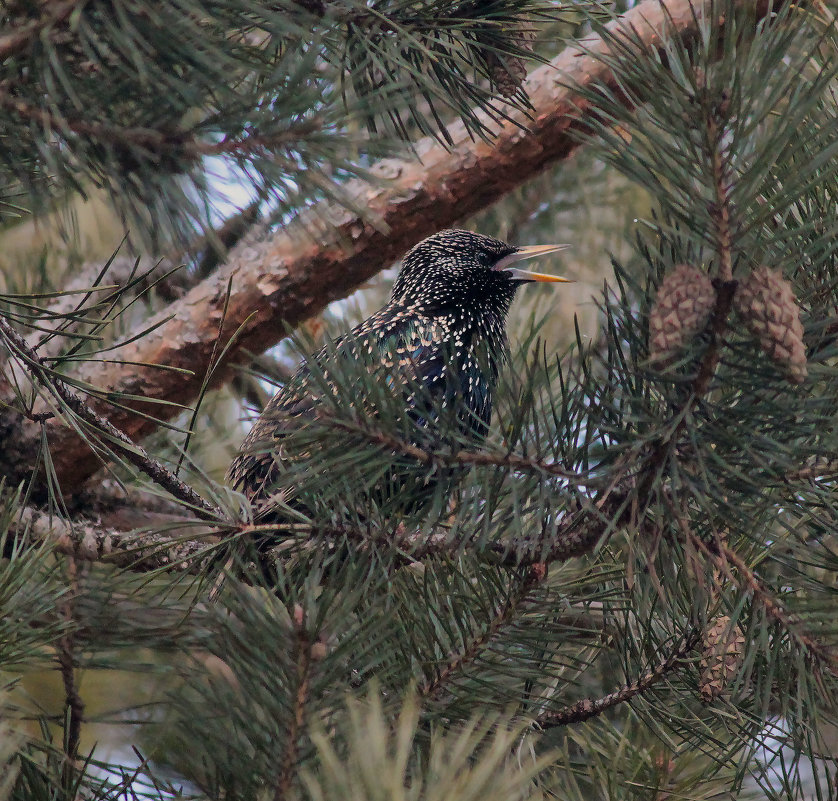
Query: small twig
[721, 189]
[718, 326]
[303, 660]
[505, 614]
[462, 458]
[589, 708]
[574, 536]
[133, 453]
[217, 243]
[153, 141]
[15, 41]
[724, 557]
[90, 541]
[813, 470]
[73, 704]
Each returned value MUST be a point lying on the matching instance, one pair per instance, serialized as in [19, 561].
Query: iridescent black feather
[443, 329]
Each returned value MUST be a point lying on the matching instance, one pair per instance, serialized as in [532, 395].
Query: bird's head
[459, 268]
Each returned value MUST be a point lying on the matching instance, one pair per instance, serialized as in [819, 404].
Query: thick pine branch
[138, 550]
[282, 280]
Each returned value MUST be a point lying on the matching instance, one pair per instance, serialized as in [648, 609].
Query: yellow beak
[529, 252]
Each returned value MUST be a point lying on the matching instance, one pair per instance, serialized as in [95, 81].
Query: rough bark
[282, 278]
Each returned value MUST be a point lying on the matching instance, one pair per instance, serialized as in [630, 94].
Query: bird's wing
[406, 347]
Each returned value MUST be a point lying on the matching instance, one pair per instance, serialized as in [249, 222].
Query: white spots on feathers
[444, 328]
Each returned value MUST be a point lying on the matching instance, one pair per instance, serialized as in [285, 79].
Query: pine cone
[724, 648]
[507, 73]
[766, 303]
[680, 312]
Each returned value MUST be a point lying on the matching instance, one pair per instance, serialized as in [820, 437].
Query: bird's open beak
[529, 252]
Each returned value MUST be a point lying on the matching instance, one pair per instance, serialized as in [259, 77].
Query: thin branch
[119, 537]
[570, 536]
[303, 661]
[217, 243]
[73, 704]
[431, 688]
[562, 537]
[135, 454]
[815, 469]
[180, 144]
[725, 285]
[723, 557]
[718, 326]
[721, 190]
[17, 40]
[285, 278]
[461, 458]
[589, 708]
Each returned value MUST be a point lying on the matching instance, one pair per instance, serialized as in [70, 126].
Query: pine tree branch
[721, 208]
[816, 468]
[19, 39]
[723, 556]
[592, 707]
[117, 536]
[725, 289]
[574, 535]
[507, 612]
[135, 454]
[303, 661]
[463, 457]
[184, 145]
[142, 551]
[718, 326]
[284, 279]
[73, 704]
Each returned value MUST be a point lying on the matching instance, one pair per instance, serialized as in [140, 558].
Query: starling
[443, 329]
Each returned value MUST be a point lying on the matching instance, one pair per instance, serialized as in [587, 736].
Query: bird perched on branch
[443, 332]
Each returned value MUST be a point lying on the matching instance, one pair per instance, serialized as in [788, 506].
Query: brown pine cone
[766, 303]
[680, 312]
[507, 72]
[724, 648]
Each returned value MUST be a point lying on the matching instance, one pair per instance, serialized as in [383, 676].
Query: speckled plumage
[444, 327]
